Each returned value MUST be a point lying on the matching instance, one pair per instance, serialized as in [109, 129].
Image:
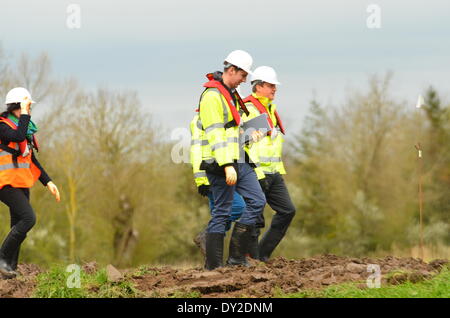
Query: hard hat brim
[10, 102]
[271, 82]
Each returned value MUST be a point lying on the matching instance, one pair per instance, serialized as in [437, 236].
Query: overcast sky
[162, 49]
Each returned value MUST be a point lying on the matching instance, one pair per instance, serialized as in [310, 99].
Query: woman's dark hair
[9, 108]
[12, 106]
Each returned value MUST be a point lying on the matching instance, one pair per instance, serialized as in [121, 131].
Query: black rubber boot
[240, 244]
[200, 241]
[253, 249]
[214, 250]
[6, 270]
[269, 242]
[14, 261]
[9, 253]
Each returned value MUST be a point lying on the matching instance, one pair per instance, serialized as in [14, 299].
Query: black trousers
[23, 219]
[277, 196]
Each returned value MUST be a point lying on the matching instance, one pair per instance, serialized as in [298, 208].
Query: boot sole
[7, 275]
[233, 263]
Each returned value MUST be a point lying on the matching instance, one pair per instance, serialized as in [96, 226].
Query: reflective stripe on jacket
[269, 149]
[223, 138]
[198, 147]
[17, 171]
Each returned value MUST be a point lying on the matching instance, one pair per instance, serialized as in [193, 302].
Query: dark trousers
[23, 219]
[247, 186]
[278, 198]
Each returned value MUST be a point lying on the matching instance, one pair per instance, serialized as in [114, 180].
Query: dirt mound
[280, 274]
[23, 285]
[259, 280]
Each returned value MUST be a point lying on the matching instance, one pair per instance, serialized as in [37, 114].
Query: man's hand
[257, 136]
[203, 190]
[264, 184]
[230, 175]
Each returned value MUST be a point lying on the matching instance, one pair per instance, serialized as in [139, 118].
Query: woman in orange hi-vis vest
[19, 170]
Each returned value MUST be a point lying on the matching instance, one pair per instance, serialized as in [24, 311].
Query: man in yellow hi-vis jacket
[227, 165]
[199, 145]
[271, 167]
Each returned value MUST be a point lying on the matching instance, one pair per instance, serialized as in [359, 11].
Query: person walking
[19, 170]
[228, 167]
[198, 142]
[271, 168]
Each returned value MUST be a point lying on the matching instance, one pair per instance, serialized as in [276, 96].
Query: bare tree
[35, 75]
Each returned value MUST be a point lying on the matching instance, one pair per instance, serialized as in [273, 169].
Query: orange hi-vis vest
[15, 169]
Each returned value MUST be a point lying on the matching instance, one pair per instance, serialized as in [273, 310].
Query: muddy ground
[259, 280]
[23, 286]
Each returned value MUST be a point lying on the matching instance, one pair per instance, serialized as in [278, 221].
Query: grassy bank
[437, 287]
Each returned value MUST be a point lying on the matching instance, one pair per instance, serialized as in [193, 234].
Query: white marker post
[420, 103]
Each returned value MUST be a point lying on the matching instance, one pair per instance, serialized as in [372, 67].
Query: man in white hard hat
[198, 142]
[227, 165]
[271, 168]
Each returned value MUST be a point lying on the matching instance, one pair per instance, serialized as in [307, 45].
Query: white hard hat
[17, 95]
[240, 59]
[265, 74]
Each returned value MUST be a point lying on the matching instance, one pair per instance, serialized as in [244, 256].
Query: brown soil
[259, 280]
[23, 285]
[280, 274]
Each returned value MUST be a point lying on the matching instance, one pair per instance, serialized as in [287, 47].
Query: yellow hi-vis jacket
[270, 148]
[198, 142]
[223, 141]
